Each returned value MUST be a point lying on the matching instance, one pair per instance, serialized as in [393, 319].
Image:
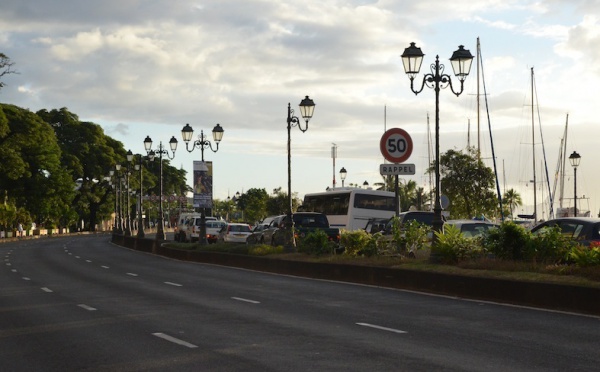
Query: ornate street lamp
[202, 143]
[160, 231]
[307, 108]
[113, 184]
[461, 64]
[343, 174]
[575, 159]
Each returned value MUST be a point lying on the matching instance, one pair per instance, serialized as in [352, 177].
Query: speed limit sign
[396, 145]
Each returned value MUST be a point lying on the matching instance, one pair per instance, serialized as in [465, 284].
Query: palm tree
[512, 199]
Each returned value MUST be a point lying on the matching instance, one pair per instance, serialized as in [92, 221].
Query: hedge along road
[81, 302]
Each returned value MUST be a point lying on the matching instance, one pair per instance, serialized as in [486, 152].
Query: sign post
[396, 147]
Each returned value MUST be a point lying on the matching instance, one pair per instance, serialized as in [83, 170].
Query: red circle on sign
[396, 145]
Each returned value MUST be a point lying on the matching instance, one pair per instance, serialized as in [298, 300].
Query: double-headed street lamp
[202, 143]
[113, 183]
[461, 64]
[575, 159]
[160, 231]
[307, 108]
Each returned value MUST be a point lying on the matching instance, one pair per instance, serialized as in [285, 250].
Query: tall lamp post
[119, 201]
[574, 159]
[461, 64]
[113, 183]
[343, 174]
[160, 229]
[140, 227]
[202, 143]
[307, 108]
[128, 211]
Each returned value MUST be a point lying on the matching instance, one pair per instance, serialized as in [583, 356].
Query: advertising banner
[203, 185]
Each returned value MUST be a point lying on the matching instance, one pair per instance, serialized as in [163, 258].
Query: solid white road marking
[174, 340]
[86, 307]
[380, 327]
[46, 289]
[174, 284]
[245, 300]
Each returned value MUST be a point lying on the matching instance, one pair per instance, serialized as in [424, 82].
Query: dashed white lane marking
[8, 264]
[26, 278]
[174, 284]
[105, 267]
[132, 274]
[46, 289]
[174, 340]
[381, 328]
[88, 261]
[77, 257]
[245, 300]
[14, 270]
[86, 307]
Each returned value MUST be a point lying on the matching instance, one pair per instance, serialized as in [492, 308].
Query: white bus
[351, 208]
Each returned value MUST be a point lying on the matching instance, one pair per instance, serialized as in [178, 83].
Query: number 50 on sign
[396, 145]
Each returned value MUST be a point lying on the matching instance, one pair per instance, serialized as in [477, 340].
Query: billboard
[203, 185]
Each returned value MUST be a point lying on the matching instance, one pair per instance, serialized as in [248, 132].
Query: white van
[188, 227]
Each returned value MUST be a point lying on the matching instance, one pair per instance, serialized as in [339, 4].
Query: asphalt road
[83, 304]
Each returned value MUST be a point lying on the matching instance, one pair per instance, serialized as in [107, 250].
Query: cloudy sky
[148, 67]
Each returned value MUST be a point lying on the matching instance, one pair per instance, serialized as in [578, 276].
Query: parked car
[257, 232]
[304, 224]
[234, 233]
[584, 230]
[471, 228]
[213, 228]
[266, 235]
[188, 227]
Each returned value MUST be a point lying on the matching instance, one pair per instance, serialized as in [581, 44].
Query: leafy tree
[254, 204]
[468, 183]
[5, 67]
[89, 154]
[278, 203]
[31, 172]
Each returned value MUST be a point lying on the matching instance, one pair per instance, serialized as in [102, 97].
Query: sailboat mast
[564, 163]
[533, 144]
[478, 112]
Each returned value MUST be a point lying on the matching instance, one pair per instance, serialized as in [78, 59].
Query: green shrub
[316, 243]
[584, 256]
[408, 237]
[359, 243]
[549, 245]
[264, 249]
[452, 246]
[509, 241]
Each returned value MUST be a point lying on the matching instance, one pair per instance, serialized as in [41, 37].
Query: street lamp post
[461, 64]
[307, 108]
[343, 174]
[113, 183]
[575, 158]
[119, 203]
[128, 211]
[140, 228]
[202, 143]
[160, 229]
